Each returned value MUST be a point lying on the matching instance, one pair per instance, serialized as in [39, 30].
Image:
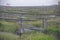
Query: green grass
[37, 36]
[12, 27]
[36, 23]
[8, 27]
[8, 36]
[54, 27]
[54, 30]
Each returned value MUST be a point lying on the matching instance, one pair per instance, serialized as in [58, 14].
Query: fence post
[20, 29]
[44, 24]
[3, 16]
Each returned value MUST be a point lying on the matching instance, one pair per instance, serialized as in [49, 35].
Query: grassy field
[8, 30]
[30, 36]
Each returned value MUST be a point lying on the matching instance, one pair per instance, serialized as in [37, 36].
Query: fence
[25, 17]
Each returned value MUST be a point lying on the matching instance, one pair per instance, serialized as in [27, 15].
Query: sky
[28, 2]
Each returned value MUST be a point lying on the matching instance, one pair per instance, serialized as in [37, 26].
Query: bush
[8, 36]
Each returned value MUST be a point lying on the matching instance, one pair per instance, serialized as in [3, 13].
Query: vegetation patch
[37, 36]
[8, 27]
[8, 36]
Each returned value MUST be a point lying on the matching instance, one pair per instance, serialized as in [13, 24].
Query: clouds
[28, 2]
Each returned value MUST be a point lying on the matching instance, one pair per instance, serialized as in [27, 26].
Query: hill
[30, 9]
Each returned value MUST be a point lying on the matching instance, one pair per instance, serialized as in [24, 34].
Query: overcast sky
[28, 2]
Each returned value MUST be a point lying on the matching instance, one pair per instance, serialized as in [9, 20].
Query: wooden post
[20, 28]
[3, 16]
[19, 25]
[44, 24]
